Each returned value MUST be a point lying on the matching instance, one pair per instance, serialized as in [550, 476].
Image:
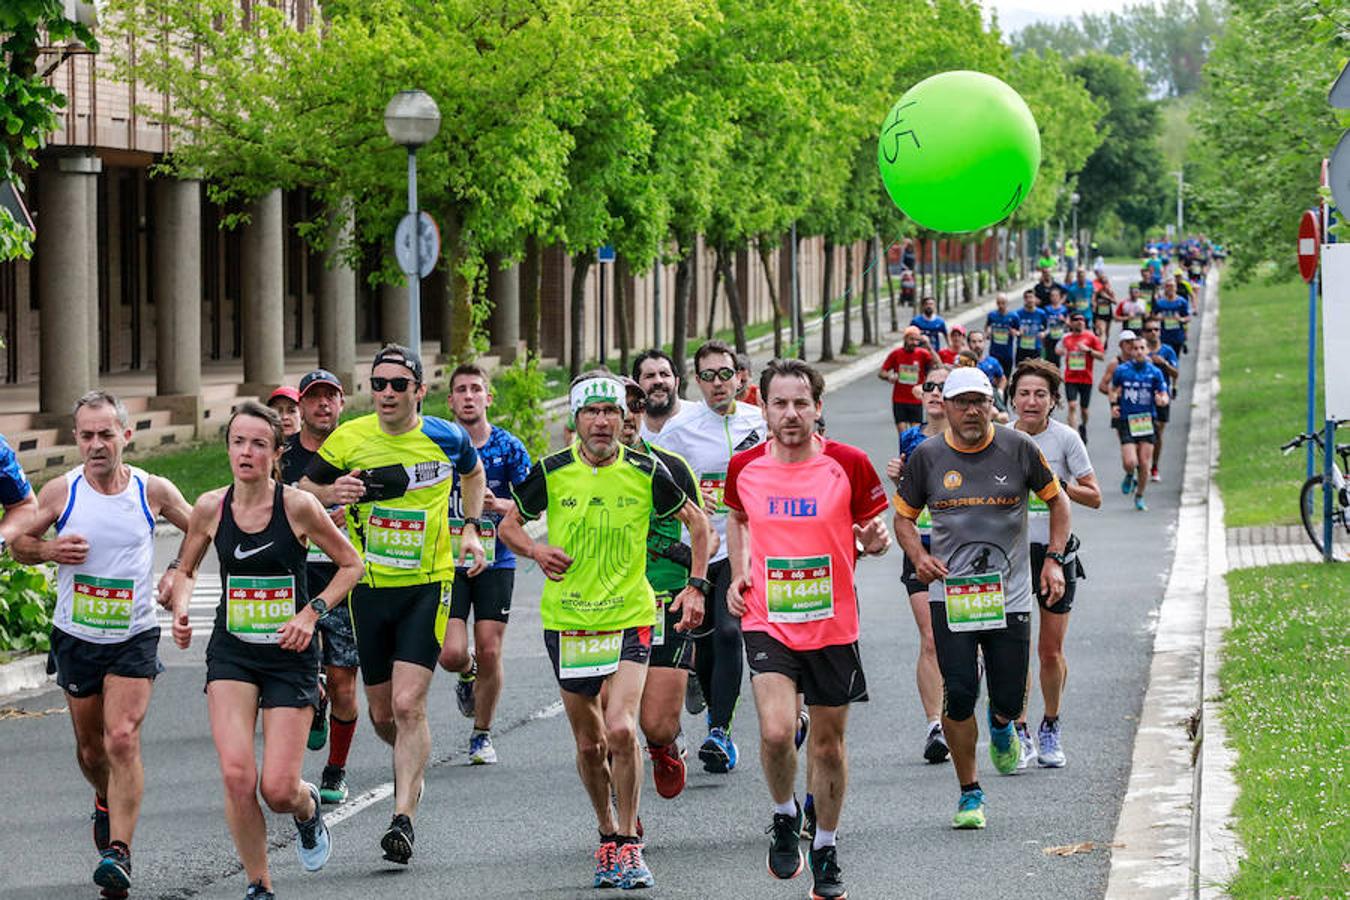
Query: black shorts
[1122, 427]
[636, 647]
[338, 641]
[1072, 572]
[1080, 392]
[829, 676]
[396, 623]
[488, 594]
[284, 678]
[907, 412]
[1164, 414]
[910, 578]
[80, 666]
[675, 649]
[1007, 654]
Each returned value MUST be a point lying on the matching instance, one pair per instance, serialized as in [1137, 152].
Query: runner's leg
[412, 734]
[625, 758]
[86, 715]
[487, 647]
[455, 649]
[586, 716]
[1054, 667]
[828, 777]
[1145, 463]
[125, 701]
[926, 674]
[233, 710]
[662, 697]
[776, 701]
[284, 731]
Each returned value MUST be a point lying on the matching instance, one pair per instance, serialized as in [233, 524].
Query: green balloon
[959, 151]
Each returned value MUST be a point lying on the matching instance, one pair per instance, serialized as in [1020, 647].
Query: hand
[349, 489]
[164, 590]
[182, 630]
[1052, 582]
[930, 568]
[297, 633]
[471, 546]
[689, 602]
[68, 549]
[736, 592]
[893, 469]
[710, 502]
[553, 561]
[874, 537]
[339, 517]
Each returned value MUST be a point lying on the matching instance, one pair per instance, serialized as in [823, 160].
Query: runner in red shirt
[799, 505]
[1079, 348]
[906, 367]
[958, 343]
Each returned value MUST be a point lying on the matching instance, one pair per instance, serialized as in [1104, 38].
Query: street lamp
[1073, 202]
[412, 119]
[1180, 177]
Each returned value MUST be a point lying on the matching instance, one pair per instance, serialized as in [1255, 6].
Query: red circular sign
[1309, 246]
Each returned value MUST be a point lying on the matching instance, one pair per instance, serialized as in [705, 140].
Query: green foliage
[518, 394]
[27, 598]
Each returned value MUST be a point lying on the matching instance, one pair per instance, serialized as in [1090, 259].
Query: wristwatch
[318, 605]
[1057, 557]
[703, 585]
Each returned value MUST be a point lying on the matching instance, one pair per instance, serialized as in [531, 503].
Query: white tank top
[110, 597]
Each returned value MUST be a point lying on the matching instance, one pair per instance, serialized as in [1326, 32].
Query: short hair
[1041, 369]
[743, 362]
[653, 353]
[926, 298]
[473, 370]
[103, 398]
[974, 331]
[711, 347]
[793, 368]
[965, 358]
[1028, 291]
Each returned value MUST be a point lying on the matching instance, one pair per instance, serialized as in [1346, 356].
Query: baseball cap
[966, 380]
[400, 356]
[958, 329]
[1127, 335]
[319, 376]
[289, 393]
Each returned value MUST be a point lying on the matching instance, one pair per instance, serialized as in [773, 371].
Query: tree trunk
[846, 346]
[622, 320]
[530, 269]
[778, 312]
[826, 288]
[890, 290]
[576, 360]
[679, 338]
[724, 258]
[868, 261]
[968, 273]
[457, 324]
[712, 301]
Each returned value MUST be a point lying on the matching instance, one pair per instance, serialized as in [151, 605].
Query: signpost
[604, 256]
[1308, 247]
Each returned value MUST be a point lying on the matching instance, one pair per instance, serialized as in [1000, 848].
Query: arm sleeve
[684, 478]
[14, 486]
[531, 495]
[454, 442]
[326, 466]
[667, 498]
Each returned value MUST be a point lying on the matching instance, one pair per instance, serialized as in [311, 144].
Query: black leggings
[719, 659]
[1007, 653]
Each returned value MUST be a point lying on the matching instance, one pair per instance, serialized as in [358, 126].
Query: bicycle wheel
[1310, 509]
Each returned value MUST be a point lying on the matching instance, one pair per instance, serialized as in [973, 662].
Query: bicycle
[1310, 497]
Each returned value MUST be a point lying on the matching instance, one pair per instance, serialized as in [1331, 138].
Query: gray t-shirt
[1068, 458]
[978, 502]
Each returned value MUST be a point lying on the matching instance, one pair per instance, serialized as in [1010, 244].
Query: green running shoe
[318, 726]
[970, 810]
[1004, 747]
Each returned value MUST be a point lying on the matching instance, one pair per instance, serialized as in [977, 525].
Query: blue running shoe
[634, 869]
[315, 843]
[1004, 747]
[803, 729]
[1127, 483]
[114, 868]
[608, 874]
[1140, 505]
[970, 810]
[718, 752]
[481, 752]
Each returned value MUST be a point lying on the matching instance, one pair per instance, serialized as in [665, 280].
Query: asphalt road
[524, 827]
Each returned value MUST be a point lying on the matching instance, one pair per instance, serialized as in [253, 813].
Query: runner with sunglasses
[1165, 358]
[393, 469]
[707, 436]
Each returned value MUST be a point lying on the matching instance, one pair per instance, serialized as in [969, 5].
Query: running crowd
[679, 539]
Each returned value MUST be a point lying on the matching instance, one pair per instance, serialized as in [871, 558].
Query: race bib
[1056, 332]
[907, 374]
[1027, 342]
[799, 589]
[1077, 361]
[659, 629]
[257, 606]
[1000, 335]
[589, 654]
[1036, 506]
[1171, 323]
[487, 536]
[395, 537]
[924, 522]
[103, 604]
[714, 483]
[1141, 424]
[974, 602]
[1104, 309]
[1134, 323]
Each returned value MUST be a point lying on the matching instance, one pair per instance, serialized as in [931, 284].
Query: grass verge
[1263, 336]
[1285, 678]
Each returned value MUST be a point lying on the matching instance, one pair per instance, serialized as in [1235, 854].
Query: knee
[239, 778]
[729, 631]
[489, 656]
[382, 720]
[92, 756]
[409, 708]
[1050, 653]
[279, 795]
[958, 699]
[828, 752]
[122, 743]
[592, 752]
[927, 647]
[621, 736]
[777, 735]
[454, 659]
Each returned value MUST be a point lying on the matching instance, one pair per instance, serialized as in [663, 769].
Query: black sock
[973, 786]
[1049, 720]
[118, 845]
[622, 839]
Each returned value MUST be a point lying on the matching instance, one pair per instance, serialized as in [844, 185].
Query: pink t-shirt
[802, 556]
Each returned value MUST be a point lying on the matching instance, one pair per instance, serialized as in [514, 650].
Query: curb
[24, 675]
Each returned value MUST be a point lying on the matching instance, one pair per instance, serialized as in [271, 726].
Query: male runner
[1031, 324]
[1043, 286]
[1138, 390]
[597, 607]
[988, 364]
[393, 469]
[1056, 317]
[957, 338]
[975, 483]
[706, 437]
[320, 405]
[1103, 307]
[906, 367]
[506, 463]
[1078, 349]
[931, 324]
[1081, 292]
[1130, 312]
[105, 635]
[749, 391]
[799, 505]
[1003, 330]
[654, 371]
[1175, 313]
[16, 496]
[1165, 358]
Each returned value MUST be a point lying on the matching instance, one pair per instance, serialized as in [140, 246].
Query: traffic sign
[1308, 246]
[430, 238]
[605, 254]
[1338, 173]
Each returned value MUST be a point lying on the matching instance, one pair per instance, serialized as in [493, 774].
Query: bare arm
[30, 548]
[926, 566]
[738, 555]
[347, 489]
[552, 561]
[690, 601]
[16, 519]
[167, 500]
[201, 528]
[1084, 491]
[305, 512]
[1052, 574]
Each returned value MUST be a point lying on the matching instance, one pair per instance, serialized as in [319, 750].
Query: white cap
[1127, 335]
[966, 380]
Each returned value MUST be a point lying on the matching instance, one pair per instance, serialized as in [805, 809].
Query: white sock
[786, 809]
[933, 725]
[823, 839]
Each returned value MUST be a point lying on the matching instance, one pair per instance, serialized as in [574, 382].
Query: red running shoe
[668, 770]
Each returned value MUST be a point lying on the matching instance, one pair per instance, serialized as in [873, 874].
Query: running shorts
[397, 623]
[910, 578]
[488, 594]
[1164, 413]
[675, 649]
[80, 666]
[1072, 572]
[636, 647]
[906, 412]
[334, 629]
[284, 678]
[1122, 427]
[1007, 653]
[1080, 392]
[829, 676]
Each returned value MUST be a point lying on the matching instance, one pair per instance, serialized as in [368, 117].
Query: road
[524, 828]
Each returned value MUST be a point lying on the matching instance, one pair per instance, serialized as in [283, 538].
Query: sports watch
[318, 605]
[703, 585]
[1057, 557]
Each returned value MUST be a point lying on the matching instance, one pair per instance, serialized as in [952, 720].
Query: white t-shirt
[1068, 458]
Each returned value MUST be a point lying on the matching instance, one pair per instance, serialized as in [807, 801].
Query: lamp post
[1181, 220]
[1073, 203]
[412, 119]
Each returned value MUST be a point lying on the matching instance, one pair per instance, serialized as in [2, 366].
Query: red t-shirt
[802, 556]
[751, 395]
[913, 367]
[1077, 360]
[947, 355]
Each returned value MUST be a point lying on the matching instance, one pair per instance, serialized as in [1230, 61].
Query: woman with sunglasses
[926, 674]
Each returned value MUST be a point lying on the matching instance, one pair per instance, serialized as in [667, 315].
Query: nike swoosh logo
[240, 553]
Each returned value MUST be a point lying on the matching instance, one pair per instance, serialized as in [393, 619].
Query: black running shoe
[397, 842]
[829, 882]
[935, 746]
[256, 891]
[114, 869]
[785, 853]
[102, 828]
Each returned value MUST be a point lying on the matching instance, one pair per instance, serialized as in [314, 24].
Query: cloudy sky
[1014, 14]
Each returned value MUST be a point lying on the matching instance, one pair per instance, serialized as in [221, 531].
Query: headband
[599, 389]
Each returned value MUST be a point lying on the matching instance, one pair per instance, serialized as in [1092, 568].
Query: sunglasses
[930, 386]
[637, 404]
[1153, 328]
[398, 384]
[723, 374]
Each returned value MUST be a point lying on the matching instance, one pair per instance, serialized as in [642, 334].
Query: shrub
[27, 598]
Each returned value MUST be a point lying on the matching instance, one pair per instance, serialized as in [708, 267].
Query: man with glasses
[598, 609]
[975, 481]
[1078, 349]
[1164, 357]
[707, 436]
[393, 470]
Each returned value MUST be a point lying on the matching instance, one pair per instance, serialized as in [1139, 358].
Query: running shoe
[315, 843]
[318, 727]
[608, 874]
[1004, 747]
[1127, 483]
[970, 810]
[1051, 754]
[633, 870]
[1028, 748]
[808, 832]
[668, 769]
[718, 752]
[333, 785]
[829, 881]
[785, 851]
[114, 868]
[397, 842]
[935, 748]
[693, 697]
[464, 688]
[102, 828]
[803, 728]
[256, 891]
[481, 751]
[1082, 433]
[1154, 476]
[1140, 505]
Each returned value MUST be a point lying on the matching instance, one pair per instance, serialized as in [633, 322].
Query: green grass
[1285, 678]
[1263, 336]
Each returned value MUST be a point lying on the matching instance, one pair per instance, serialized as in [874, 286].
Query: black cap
[400, 356]
[319, 376]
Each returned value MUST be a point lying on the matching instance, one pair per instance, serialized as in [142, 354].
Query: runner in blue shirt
[1081, 292]
[1056, 322]
[1174, 312]
[1138, 391]
[931, 324]
[16, 496]
[1031, 321]
[1166, 359]
[1002, 329]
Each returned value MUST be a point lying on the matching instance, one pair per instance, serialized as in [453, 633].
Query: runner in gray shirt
[975, 480]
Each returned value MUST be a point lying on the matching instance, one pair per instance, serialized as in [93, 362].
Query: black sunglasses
[723, 374]
[399, 384]
[930, 386]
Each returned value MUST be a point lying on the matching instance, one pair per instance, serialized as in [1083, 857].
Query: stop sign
[1308, 246]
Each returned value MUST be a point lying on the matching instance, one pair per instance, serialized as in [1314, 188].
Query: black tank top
[258, 567]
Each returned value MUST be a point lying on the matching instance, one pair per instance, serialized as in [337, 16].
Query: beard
[658, 409]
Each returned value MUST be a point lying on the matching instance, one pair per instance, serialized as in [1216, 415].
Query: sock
[622, 839]
[477, 731]
[823, 838]
[1049, 721]
[788, 808]
[967, 788]
[934, 725]
[339, 740]
[608, 838]
[810, 804]
[119, 845]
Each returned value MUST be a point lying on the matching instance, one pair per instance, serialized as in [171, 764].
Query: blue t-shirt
[996, 326]
[14, 486]
[506, 463]
[1170, 355]
[1080, 296]
[1171, 310]
[1032, 322]
[1056, 321]
[1138, 382]
[911, 438]
[992, 368]
[934, 329]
